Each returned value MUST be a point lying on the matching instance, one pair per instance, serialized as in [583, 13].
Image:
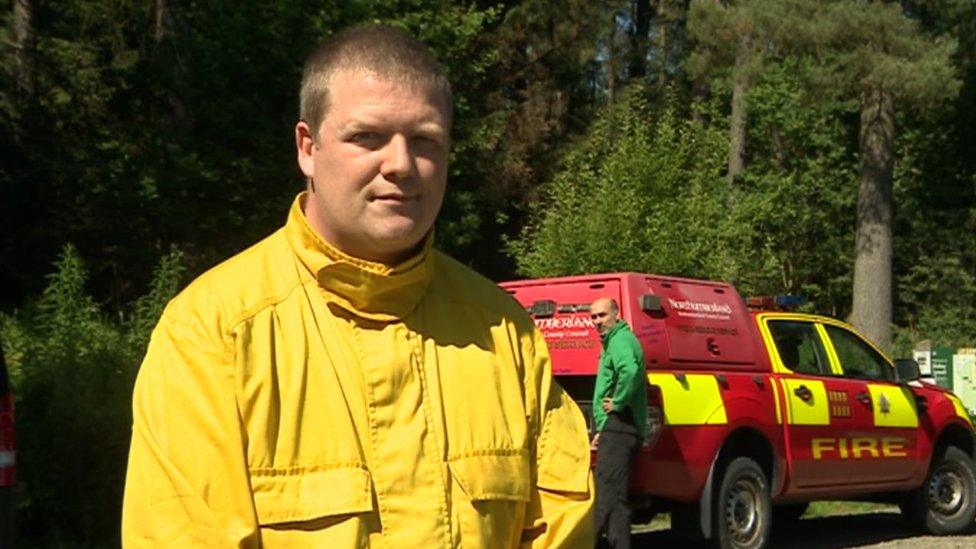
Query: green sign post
[942, 366]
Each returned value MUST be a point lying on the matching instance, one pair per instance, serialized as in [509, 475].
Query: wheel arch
[956, 435]
[743, 441]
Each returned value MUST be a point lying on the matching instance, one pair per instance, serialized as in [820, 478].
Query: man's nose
[397, 160]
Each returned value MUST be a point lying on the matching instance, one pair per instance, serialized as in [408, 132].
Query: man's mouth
[394, 197]
[394, 200]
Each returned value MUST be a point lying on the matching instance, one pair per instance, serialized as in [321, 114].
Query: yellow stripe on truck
[960, 409]
[813, 411]
[893, 406]
[693, 399]
[776, 402]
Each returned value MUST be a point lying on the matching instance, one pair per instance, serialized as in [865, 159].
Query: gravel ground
[876, 529]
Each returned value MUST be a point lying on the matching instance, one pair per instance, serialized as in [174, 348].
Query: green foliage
[936, 254]
[875, 44]
[937, 292]
[719, 29]
[646, 194]
[140, 136]
[637, 193]
[810, 62]
[796, 192]
[72, 369]
[147, 309]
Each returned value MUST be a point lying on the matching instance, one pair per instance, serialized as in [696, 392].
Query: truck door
[886, 448]
[818, 403]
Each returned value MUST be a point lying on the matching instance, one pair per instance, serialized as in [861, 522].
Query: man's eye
[367, 139]
[426, 141]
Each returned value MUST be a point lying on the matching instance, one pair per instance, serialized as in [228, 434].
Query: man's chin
[397, 245]
[397, 236]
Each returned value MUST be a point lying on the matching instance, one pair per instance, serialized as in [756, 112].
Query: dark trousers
[614, 456]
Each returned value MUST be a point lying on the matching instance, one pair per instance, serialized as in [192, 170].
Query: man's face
[379, 166]
[603, 315]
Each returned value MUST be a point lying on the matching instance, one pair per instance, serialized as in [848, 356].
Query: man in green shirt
[620, 417]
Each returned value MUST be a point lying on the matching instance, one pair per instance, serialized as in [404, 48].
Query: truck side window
[799, 347]
[857, 358]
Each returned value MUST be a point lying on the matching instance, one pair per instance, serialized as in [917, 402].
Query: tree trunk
[663, 46]
[164, 22]
[872, 308]
[638, 40]
[175, 115]
[737, 124]
[610, 65]
[24, 47]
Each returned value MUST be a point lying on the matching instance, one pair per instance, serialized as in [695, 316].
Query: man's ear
[305, 146]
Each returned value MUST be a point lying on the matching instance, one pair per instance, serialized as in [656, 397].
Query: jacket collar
[620, 325]
[365, 288]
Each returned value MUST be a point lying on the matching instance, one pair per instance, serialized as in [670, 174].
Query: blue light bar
[783, 301]
[788, 301]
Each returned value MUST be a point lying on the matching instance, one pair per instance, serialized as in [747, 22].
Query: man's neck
[355, 249]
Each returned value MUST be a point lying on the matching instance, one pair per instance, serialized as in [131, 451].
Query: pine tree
[875, 53]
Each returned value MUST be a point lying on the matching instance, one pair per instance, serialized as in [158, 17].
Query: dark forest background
[821, 148]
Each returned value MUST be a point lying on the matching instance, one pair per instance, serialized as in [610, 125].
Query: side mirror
[906, 369]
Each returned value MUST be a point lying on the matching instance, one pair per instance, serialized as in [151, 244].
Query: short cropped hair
[383, 50]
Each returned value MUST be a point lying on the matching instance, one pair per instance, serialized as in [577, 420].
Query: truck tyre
[742, 509]
[946, 502]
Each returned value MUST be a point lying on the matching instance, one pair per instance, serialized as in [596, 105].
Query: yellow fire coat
[294, 396]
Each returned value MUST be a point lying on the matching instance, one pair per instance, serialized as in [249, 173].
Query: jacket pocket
[284, 496]
[564, 449]
[498, 475]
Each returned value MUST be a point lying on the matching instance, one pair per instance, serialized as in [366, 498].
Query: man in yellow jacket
[342, 384]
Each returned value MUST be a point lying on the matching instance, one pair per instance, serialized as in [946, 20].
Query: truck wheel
[742, 510]
[946, 503]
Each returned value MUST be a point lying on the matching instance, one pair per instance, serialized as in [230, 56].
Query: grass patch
[830, 508]
[817, 509]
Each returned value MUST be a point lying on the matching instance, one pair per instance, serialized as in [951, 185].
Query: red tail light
[8, 448]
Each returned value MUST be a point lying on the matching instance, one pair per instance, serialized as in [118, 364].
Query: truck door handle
[864, 398]
[803, 392]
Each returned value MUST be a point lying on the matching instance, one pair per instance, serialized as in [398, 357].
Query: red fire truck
[756, 411]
